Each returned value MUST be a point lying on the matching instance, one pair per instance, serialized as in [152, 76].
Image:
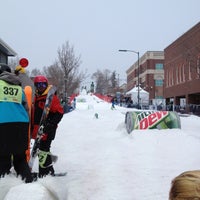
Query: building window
[177, 75]
[159, 82]
[159, 66]
[198, 66]
[3, 58]
[190, 76]
[183, 73]
[159, 97]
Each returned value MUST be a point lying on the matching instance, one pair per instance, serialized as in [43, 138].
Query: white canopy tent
[144, 96]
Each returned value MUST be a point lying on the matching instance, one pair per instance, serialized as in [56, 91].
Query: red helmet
[41, 84]
[40, 79]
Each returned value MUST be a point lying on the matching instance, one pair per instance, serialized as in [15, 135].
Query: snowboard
[35, 148]
[56, 174]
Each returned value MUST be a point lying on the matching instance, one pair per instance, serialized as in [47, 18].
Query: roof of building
[6, 49]
[195, 28]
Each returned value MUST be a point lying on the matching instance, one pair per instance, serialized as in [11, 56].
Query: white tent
[144, 96]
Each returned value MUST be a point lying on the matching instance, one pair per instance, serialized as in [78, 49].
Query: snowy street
[105, 163]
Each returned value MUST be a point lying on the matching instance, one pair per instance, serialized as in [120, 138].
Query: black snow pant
[20, 165]
[13, 146]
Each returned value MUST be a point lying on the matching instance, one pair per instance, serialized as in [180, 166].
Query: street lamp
[138, 71]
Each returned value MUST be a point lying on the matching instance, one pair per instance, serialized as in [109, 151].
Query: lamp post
[138, 71]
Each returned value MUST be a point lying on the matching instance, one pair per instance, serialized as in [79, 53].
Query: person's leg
[5, 148]
[20, 145]
[22, 168]
[5, 164]
[45, 160]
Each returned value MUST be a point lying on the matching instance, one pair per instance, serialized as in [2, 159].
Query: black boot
[45, 171]
[45, 164]
[22, 168]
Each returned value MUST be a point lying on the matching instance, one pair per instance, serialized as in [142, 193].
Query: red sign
[23, 62]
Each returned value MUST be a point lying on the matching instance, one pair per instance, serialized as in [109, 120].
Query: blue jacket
[12, 99]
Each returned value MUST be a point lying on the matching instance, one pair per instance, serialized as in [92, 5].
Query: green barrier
[141, 120]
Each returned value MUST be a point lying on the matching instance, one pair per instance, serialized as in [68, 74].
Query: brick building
[182, 71]
[151, 74]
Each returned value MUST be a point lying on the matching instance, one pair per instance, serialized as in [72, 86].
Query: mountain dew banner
[141, 120]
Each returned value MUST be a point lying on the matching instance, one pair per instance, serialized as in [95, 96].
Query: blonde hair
[186, 186]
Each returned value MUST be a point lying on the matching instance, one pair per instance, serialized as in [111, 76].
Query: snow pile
[105, 163]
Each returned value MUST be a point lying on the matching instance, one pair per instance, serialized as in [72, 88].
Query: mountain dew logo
[151, 119]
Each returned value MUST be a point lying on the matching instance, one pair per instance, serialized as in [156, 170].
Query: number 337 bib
[10, 93]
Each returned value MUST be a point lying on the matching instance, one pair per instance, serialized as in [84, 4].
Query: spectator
[14, 124]
[186, 186]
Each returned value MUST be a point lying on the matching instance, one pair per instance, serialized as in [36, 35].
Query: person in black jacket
[55, 115]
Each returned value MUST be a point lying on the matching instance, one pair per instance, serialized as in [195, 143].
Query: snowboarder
[50, 125]
[14, 123]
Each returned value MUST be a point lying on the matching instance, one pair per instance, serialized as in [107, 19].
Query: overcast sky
[96, 29]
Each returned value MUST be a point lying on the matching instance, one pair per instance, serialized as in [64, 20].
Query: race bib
[10, 93]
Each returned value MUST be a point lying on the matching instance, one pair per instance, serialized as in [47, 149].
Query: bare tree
[64, 72]
[69, 64]
[55, 73]
[103, 81]
[98, 78]
[36, 72]
[114, 81]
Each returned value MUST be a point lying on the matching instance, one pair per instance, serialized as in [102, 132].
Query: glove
[44, 137]
[41, 132]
